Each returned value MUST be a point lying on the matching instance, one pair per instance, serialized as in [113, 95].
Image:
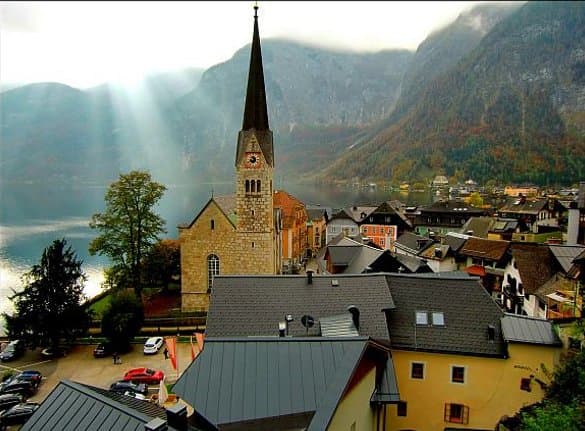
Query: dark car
[18, 414]
[14, 350]
[9, 400]
[102, 350]
[51, 352]
[123, 386]
[14, 386]
[33, 376]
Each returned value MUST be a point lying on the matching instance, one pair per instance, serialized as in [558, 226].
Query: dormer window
[438, 318]
[422, 318]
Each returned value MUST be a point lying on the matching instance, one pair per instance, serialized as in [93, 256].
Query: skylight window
[422, 318]
[438, 318]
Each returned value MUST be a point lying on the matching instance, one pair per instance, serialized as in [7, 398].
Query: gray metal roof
[565, 254]
[237, 381]
[254, 305]
[412, 242]
[361, 261]
[343, 254]
[74, 406]
[523, 329]
[467, 311]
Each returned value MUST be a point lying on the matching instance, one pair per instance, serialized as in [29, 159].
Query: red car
[144, 375]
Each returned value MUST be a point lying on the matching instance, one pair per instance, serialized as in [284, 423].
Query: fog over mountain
[500, 82]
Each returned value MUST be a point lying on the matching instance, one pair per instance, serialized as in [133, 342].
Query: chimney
[281, 329]
[573, 224]
[157, 424]
[309, 277]
[177, 417]
[491, 329]
[438, 253]
[355, 315]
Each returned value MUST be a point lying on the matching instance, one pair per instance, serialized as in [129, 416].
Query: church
[238, 234]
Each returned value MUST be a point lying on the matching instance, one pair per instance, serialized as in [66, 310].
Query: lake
[33, 215]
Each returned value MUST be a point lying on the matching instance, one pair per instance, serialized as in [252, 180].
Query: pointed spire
[255, 111]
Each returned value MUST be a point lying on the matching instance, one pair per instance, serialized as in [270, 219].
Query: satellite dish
[307, 321]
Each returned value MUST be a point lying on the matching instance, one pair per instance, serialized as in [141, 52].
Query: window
[212, 224]
[525, 385]
[253, 245]
[247, 186]
[457, 374]
[258, 186]
[401, 408]
[421, 318]
[253, 186]
[438, 318]
[212, 270]
[417, 370]
[456, 413]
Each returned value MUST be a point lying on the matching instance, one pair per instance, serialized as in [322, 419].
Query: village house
[383, 225]
[454, 366]
[317, 228]
[444, 216]
[486, 259]
[294, 230]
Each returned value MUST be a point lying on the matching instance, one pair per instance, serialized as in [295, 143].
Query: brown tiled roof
[485, 248]
[534, 263]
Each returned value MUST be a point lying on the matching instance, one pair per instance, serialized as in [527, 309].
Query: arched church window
[212, 270]
[253, 186]
[258, 186]
[247, 186]
[212, 224]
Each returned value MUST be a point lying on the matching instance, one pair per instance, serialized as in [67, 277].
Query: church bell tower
[254, 172]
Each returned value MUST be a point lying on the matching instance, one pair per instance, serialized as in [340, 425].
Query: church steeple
[255, 112]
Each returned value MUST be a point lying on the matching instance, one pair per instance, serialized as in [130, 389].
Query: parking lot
[79, 365]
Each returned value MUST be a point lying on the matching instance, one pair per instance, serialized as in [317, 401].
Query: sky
[84, 44]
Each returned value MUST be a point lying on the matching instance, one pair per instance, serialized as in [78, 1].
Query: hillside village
[370, 317]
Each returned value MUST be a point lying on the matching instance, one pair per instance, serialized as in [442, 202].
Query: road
[80, 366]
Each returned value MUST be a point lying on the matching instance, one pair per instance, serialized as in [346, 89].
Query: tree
[552, 415]
[129, 226]
[162, 263]
[122, 319]
[50, 307]
[475, 200]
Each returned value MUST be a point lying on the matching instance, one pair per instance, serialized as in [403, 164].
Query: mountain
[497, 94]
[314, 96]
[53, 132]
[512, 109]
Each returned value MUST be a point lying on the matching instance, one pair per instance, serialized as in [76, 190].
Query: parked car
[123, 386]
[33, 376]
[18, 414]
[144, 375]
[9, 400]
[15, 386]
[14, 350]
[51, 353]
[102, 350]
[153, 345]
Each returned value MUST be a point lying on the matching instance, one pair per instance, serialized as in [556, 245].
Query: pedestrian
[115, 358]
[166, 353]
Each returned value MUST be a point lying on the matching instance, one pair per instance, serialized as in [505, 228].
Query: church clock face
[252, 160]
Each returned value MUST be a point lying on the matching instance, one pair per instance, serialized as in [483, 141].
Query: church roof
[255, 110]
[255, 113]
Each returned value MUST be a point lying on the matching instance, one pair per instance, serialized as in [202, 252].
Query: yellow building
[460, 362]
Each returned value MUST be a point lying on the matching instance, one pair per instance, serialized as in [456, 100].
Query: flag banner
[195, 350]
[172, 347]
[200, 338]
[163, 394]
